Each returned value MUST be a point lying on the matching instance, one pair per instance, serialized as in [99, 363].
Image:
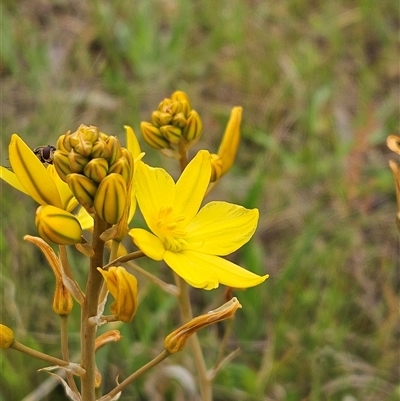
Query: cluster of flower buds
[173, 123]
[97, 169]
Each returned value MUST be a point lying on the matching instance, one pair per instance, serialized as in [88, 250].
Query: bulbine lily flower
[190, 240]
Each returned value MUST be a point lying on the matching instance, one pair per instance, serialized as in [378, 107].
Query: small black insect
[45, 154]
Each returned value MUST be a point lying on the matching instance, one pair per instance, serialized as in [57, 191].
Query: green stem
[65, 352]
[135, 375]
[184, 156]
[186, 313]
[89, 309]
[37, 354]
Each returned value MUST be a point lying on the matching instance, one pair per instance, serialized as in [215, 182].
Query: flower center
[169, 226]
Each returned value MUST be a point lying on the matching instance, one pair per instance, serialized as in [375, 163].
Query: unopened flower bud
[110, 198]
[87, 133]
[153, 136]
[176, 341]
[77, 162]
[171, 133]
[123, 287]
[121, 167]
[96, 169]
[164, 105]
[179, 120]
[83, 188]
[184, 99]
[101, 149]
[193, 128]
[230, 142]
[57, 225]
[61, 163]
[115, 148]
[62, 301]
[160, 118]
[6, 337]
[63, 143]
[216, 167]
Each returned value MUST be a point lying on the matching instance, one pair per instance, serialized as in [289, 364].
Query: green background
[319, 84]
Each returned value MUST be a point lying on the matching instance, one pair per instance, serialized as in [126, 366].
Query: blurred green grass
[319, 83]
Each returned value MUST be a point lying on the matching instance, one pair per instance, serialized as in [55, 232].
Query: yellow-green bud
[57, 225]
[83, 188]
[163, 106]
[96, 170]
[87, 133]
[115, 148]
[62, 301]
[173, 134]
[63, 143]
[216, 167]
[61, 163]
[175, 107]
[160, 118]
[6, 337]
[121, 167]
[110, 198]
[101, 150]
[181, 96]
[129, 158]
[153, 136]
[123, 287]
[179, 120]
[77, 162]
[193, 128]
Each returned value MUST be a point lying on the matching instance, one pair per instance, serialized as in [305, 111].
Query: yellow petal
[192, 265]
[67, 197]
[155, 189]
[194, 273]
[148, 243]
[32, 174]
[192, 186]
[10, 178]
[85, 219]
[221, 228]
[132, 143]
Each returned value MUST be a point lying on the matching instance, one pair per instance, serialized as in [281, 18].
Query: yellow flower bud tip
[101, 150]
[123, 287]
[216, 167]
[153, 136]
[179, 120]
[164, 104]
[62, 301]
[96, 169]
[77, 162]
[181, 96]
[6, 337]
[159, 118]
[121, 167]
[176, 341]
[230, 142]
[63, 143]
[61, 163]
[193, 128]
[110, 199]
[171, 133]
[107, 337]
[88, 133]
[57, 225]
[83, 188]
[115, 148]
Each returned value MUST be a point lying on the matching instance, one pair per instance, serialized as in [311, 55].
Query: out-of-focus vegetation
[319, 83]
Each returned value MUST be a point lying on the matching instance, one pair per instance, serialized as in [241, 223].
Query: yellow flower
[123, 287]
[30, 176]
[188, 240]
